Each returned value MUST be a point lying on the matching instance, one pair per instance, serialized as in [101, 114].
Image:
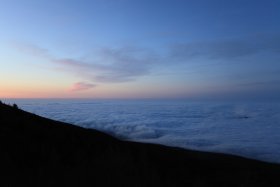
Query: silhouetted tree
[15, 106]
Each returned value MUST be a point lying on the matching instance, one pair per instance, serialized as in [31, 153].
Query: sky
[139, 48]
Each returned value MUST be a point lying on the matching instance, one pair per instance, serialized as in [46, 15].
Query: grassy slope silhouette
[35, 151]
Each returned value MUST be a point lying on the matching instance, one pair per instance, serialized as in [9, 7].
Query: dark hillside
[36, 151]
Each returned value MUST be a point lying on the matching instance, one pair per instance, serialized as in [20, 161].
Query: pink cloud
[80, 86]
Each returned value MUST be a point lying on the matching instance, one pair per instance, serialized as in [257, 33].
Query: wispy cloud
[110, 65]
[262, 84]
[106, 65]
[124, 64]
[81, 86]
[227, 49]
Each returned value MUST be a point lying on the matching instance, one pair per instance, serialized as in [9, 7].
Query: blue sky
[139, 48]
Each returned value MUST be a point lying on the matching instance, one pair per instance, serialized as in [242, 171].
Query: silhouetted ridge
[36, 151]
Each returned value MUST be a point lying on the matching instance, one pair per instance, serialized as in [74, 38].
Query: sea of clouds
[250, 129]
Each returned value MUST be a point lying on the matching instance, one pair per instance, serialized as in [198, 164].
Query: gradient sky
[139, 48]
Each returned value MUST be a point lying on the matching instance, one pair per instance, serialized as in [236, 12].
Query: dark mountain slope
[36, 151]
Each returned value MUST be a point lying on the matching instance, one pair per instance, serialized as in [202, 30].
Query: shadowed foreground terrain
[36, 151]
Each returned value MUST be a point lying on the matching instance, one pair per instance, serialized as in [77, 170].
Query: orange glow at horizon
[101, 91]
